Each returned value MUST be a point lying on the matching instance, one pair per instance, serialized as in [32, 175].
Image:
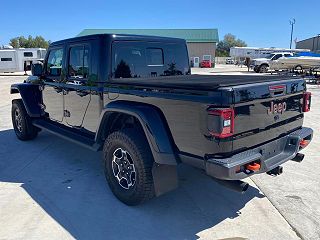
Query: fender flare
[153, 124]
[31, 97]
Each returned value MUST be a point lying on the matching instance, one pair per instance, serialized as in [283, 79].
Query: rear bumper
[269, 156]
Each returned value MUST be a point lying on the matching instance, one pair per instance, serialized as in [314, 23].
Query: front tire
[21, 121]
[263, 68]
[128, 166]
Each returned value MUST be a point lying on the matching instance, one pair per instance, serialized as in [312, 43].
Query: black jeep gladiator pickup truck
[133, 97]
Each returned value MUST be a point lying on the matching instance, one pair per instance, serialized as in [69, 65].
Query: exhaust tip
[235, 185]
[245, 187]
[276, 171]
[298, 158]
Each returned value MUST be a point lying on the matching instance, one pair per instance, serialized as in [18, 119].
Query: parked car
[261, 65]
[299, 61]
[229, 61]
[205, 64]
[133, 98]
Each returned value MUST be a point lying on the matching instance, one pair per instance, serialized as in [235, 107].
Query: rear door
[81, 98]
[76, 90]
[265, 111]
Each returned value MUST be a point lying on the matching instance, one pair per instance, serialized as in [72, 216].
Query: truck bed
[198, 82]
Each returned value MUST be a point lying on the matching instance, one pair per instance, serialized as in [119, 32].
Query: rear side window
[54, 62]
[154, 57]
[129, 61]
[78, 64]
[147, 59]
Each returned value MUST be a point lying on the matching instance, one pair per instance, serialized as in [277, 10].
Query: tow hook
[251, 167]
[276, 171]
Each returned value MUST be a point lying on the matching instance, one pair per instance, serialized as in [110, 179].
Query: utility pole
[317, 50]
[292, 22]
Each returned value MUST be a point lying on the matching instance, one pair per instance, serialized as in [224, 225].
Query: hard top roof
[123, 37]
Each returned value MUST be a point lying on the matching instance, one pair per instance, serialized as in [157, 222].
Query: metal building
[201, 43]
[312, 43]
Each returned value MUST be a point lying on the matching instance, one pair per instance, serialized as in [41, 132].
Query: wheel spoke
[18, 120]
[128, 179]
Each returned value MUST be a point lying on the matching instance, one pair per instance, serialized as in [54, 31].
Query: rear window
[147, 59]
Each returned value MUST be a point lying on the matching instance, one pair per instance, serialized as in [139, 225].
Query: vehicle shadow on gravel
[67, 181]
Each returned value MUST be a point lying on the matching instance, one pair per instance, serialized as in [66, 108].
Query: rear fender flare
[153, 124]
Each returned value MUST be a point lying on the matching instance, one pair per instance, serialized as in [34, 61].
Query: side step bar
[64, 132]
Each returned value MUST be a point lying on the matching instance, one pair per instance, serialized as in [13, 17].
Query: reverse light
[221, 122]
[306, 102]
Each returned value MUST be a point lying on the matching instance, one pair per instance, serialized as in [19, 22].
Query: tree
[30, 42]
[123, 70]
[228, 42]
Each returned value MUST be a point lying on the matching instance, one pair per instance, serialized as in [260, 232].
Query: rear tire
[128, 165]
[21, 121]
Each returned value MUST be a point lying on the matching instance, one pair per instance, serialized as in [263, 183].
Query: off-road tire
[134, 142]
[22, 127]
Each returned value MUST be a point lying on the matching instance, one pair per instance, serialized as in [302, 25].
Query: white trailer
[19, 59]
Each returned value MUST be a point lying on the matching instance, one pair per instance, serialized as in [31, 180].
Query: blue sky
[259, 23]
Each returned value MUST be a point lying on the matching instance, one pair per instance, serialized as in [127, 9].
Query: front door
[196, 62]
[53, 92]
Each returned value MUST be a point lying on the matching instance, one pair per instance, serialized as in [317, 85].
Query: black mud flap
[165, 178]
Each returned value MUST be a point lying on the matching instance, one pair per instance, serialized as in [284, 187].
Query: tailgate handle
[277, 90]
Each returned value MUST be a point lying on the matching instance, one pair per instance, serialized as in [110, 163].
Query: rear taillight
[221, 122]
[306, 102]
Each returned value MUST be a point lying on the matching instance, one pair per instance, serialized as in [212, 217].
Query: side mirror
[36, 69]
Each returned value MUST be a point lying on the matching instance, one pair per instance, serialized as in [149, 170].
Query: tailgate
[266, 111]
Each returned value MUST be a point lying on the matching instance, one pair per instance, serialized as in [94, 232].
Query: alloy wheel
[123, 168]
